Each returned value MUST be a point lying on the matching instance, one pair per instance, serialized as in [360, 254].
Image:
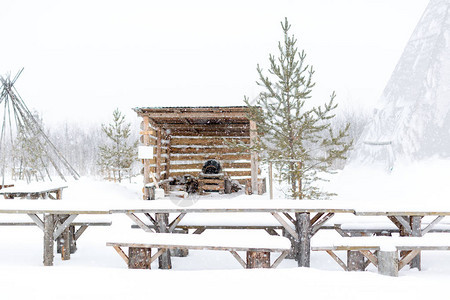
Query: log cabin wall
[184, 138]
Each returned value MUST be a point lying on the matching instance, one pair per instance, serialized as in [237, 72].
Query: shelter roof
[231, 118]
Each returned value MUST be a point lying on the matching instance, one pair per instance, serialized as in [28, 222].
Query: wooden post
[146, 142]
[158, 153]
[49, 228]
[355, 259]
[254, 157]
[139, 258]
[258, 259]
[300, 196]
[416, 231]
[303, 227]
[164, 260]
[270, 180]
[388, 263]
[169, 139]
[65, 239]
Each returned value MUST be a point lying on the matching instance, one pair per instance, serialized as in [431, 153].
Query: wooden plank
[176, 221]
[316, 227]
[215, 150]
[80, 231]
[239, 259]
[211, 133]
[197, 115]
[60, 228]
[121, 253]
[138, 222]
[196, 173]
[285, 225]
[206, 141]
[279, 259]
[337, 259]
[157, 254]
[431, 225]
[370, 256]
[408, 258]
[200, 166]
[37, 221]
[205, 157]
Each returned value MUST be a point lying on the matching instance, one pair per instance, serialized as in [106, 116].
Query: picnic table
[54, 218]
[407, 217]
[294, 216]
[33, 191]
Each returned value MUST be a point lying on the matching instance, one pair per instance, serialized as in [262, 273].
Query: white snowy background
[82, 59]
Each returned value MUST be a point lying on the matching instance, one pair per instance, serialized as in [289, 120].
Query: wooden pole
[49, 228]
[416, 231]
[254, 157]
[146, 142]
[164, 260]
[270, 180]
[303, 227]
[388, 263]
[158, 153]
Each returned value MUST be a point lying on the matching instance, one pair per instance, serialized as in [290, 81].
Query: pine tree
[118, 154]
[293, 133]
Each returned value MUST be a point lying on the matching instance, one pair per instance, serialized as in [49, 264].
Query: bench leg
[139, 258]
[179, 252]
[258, 259]
[388, 263]
[355, 261]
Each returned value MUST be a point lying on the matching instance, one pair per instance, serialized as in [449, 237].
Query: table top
[394, 208]
[91, 206]
[230, 205]
[32, 188]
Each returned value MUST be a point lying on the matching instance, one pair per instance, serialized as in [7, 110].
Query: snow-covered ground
[97, 272]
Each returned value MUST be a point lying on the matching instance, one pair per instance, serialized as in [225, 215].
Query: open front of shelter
[181, 142]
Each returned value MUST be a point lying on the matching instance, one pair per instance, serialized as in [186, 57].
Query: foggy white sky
[84, 58]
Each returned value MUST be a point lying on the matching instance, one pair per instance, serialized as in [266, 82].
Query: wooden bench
[258, 251]
[382, 251]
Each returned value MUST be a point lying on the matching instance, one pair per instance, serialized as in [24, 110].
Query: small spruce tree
[118, 153]
[293, 133]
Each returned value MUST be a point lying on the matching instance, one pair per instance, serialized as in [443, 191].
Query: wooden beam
[198, 115]
[158, 153]
[121, 253]
[337, 259]
[239, 259]
[285, 225]
[254, 157]
[147, 162]
[279, 259]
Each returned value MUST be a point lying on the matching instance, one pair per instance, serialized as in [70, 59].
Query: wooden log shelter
[177, 141]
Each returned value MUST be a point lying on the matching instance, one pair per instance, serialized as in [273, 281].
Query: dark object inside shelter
[211, 166]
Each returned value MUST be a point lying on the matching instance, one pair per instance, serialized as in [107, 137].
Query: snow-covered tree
[119, 153]
[294, 133]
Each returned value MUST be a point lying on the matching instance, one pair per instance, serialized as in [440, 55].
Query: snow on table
[383, 242]
[224, 242]
[32, 188]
